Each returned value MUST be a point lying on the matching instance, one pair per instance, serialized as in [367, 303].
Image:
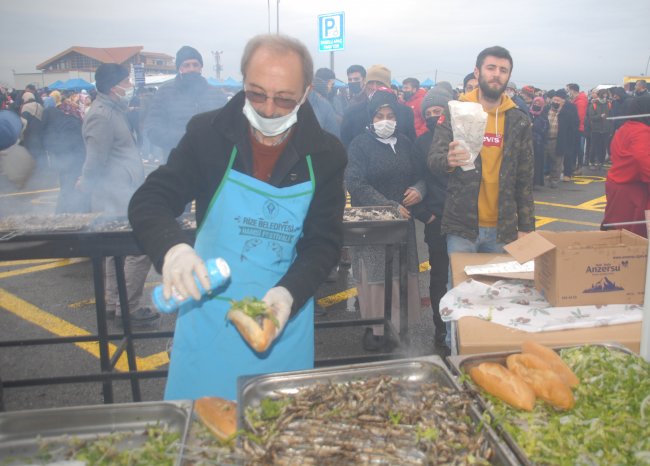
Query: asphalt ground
[49, 298]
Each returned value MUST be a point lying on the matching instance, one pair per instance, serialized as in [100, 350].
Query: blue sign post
[331, 32]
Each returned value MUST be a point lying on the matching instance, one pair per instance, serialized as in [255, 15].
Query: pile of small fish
[370, 214]
[381, 421]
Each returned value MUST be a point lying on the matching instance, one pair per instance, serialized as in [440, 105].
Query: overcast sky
[552, 42]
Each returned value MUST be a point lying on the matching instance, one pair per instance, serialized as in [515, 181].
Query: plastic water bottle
[218, 274]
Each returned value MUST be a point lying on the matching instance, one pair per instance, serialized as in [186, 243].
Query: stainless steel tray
[461, 365]
[21, 432]
[252, 390]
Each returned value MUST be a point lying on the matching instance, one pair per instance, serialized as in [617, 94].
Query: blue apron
[255, 227]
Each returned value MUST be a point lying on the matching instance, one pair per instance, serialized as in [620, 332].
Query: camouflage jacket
[516, 208]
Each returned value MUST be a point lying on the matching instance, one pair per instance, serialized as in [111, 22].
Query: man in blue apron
[268, 185]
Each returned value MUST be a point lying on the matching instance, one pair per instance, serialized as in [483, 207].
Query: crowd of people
[267, 146]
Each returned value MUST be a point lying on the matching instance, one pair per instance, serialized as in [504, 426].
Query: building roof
[156, 55]
[104, 55]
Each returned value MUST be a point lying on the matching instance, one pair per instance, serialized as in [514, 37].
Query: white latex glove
[280, 301]
[180, 266]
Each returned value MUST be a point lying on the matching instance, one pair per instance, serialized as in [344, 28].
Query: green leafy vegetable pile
[609, 425]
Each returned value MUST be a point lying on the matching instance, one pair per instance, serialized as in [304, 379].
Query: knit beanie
[438, 96]
[561, 93]
[187, 53]
[381, 98]
[511, 85]
[378, 73]
[109, 75]
[10, 127]
[528, 90]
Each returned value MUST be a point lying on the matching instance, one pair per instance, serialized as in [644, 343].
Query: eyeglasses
[282, 102]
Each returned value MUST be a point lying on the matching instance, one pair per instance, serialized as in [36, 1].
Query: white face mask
[385, 128]
[270, 127]
[128, 94]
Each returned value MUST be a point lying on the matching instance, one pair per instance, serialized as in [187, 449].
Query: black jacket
[568, 130]
[197, 165]
[355, 121]
[172, 107]
[436, 182]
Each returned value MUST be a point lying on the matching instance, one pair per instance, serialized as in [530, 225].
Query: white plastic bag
[468, 121]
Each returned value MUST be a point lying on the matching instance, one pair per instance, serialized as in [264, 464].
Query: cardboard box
[475, 335]
[586, 267]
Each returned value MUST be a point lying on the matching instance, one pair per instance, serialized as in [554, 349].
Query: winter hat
[381, 98]
[438, 96]
[378, 73]
[539, 101]
[28, 97]
[561, 93]
[109, 75]
[10, 127]
[187, 53]
[511, 85]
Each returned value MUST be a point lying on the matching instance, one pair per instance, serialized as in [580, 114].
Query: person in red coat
[628, 181]
[413, 96]
[579, 99]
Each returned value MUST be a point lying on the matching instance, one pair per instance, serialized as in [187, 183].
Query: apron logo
[270, 209]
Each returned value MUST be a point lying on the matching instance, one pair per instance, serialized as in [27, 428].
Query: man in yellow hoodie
[492, 204]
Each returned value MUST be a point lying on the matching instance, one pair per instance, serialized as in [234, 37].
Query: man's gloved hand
[279, 300]
[180, 265]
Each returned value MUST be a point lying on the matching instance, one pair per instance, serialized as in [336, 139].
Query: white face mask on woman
[270, 127]
[385, 128]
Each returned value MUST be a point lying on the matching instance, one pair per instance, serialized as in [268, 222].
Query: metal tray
[461, 365]
[22, 431]
[251, 390]
[372, 230]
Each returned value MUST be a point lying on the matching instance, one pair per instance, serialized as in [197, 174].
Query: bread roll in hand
[255, 321]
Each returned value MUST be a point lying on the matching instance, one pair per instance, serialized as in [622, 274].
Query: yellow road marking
[27, 193]
[588, 179]
[330, 300]
[80, 304]
[597, 204]
[26, 262]
[39, 268]
[62, 328]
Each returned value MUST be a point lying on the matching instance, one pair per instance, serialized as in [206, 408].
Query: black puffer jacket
[195, 170]
[173, 106]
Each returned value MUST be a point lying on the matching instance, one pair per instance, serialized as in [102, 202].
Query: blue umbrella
[395, 82]
[58, 84]
[427, 83]
[230, 82]
[77, 84]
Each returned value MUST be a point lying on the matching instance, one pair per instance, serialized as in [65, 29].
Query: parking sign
[331, 28]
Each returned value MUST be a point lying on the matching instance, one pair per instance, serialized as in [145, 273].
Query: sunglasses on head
[282, 102]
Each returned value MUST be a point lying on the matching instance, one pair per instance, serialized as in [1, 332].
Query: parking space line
[26, 262]
[60, 327]
[28, 193]
[335, 298]
[40, 268]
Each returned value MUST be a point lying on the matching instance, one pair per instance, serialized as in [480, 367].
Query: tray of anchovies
[399, 412]
[609, 424]
[378, 224]
[148, 433]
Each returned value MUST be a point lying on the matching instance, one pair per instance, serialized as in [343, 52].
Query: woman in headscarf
[628, 180]
[62, 139]
[384, 170]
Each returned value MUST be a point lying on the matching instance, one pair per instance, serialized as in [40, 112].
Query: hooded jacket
[515, 179]
[581, 103]
[415, 103]
[197, 165]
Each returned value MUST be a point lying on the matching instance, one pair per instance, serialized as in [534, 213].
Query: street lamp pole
[277, 11]
[646, 65]
[268, 9]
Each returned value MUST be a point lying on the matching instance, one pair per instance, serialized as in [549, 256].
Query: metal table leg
[388, 289]
[102, 330]
[126, 323]
[403, 294]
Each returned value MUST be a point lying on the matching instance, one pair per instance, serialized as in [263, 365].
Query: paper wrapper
[468, 121]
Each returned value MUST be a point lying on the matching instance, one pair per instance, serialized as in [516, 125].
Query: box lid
[529, 247]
